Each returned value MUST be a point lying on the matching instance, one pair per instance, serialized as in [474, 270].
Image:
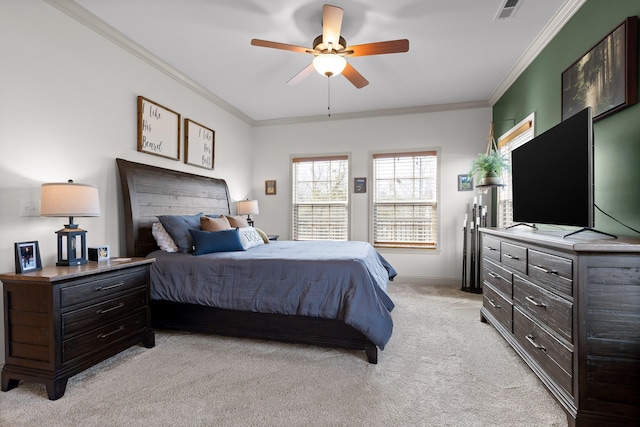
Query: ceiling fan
[329, 50]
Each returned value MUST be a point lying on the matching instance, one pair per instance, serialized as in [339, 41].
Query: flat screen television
[552, 175]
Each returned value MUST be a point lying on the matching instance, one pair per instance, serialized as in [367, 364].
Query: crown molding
[376, 113]
[544, 38]
[82, 15]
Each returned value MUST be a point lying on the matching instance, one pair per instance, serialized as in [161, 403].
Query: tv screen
[552, 175]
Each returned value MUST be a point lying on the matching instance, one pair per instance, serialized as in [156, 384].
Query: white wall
[68, 109]
[458, 135]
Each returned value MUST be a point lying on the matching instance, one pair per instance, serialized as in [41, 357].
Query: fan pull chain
[329, 95]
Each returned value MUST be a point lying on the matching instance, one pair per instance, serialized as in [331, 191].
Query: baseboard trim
[430, 281]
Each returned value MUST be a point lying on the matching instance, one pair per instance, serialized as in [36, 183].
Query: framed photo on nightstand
[27, 257]
[99, 253]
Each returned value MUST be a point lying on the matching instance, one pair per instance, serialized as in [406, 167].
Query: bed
[320, 293]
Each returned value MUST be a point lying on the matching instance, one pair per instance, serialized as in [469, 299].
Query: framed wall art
[606, 77]
[465, 183]
[198, 144]
[270, 187]
[359, 185]
[27, 257]
[158, 129]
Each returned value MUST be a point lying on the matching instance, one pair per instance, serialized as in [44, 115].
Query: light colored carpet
[442, 367]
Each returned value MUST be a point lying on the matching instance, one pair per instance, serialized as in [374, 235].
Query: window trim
[524, 126]
[319, 157]
[433, 151]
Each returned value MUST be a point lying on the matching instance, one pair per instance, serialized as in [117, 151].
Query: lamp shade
[329, 64]
[248, 207]
[69, 199]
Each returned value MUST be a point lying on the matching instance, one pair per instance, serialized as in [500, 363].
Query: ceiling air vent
[507, 9]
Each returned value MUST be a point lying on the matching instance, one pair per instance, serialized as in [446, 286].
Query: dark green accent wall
[617, 137]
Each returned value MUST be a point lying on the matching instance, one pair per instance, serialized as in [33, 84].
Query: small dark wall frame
[359, 185]
[27, 257]
[465, 183]
[606, 77]
[270, 187]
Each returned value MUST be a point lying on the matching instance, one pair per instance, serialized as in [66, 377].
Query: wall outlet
[29, 208]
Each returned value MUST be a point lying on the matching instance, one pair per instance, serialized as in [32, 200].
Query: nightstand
[60, 321]
[273, 236]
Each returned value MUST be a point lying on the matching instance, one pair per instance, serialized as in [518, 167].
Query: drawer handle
[493, 304]
[106, 310]
[493, 275]
[534, 302]
[511, 256]
[544, 270]
[489, 248]
[103, 336]
[535, 344]
[106, 288]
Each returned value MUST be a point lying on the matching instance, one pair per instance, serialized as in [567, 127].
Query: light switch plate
[29, 208]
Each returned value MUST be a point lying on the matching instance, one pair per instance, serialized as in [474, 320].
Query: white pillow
[163, 239]
[249, 237]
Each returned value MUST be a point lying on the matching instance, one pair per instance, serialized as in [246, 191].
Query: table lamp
[69, 199]
[248, 208]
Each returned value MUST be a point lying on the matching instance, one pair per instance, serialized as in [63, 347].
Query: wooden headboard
[149, 191]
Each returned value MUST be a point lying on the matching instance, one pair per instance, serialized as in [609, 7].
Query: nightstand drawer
[101, 337]
[78, 321]
[550, 309]
[499, 307]
[552, 355]
[102, 286]
[498, 277]
[514, 256]
[553, 271]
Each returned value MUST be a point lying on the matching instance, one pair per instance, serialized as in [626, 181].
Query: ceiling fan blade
[354, 76]
[306, 72]
[276, 45]
[379, 48]
[331, 25]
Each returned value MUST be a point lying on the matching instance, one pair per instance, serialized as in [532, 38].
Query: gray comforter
[335, 280]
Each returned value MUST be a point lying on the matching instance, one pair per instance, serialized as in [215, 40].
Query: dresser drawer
[498, 306]
[103, 336]
[78, 321]
[491, 248]
[552, 355]
[500, 278]
[550, 309]
[514, 256]
[102, 286]
[554, 271]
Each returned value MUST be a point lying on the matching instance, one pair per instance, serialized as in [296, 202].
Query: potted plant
[488, 167]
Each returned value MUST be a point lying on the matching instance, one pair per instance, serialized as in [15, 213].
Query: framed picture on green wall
[606, 77]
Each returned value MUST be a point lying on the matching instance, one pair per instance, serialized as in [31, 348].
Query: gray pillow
[178, 228]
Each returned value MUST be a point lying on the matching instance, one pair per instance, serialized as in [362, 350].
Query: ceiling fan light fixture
[329, 64]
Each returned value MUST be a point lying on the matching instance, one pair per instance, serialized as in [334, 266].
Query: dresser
[570, 307]
[62, 320]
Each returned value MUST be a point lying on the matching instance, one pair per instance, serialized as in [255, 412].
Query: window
[320, 198]
[405, 193]
[512, 139]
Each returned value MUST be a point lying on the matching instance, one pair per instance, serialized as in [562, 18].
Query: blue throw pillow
[178, 225]
[206, 242]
